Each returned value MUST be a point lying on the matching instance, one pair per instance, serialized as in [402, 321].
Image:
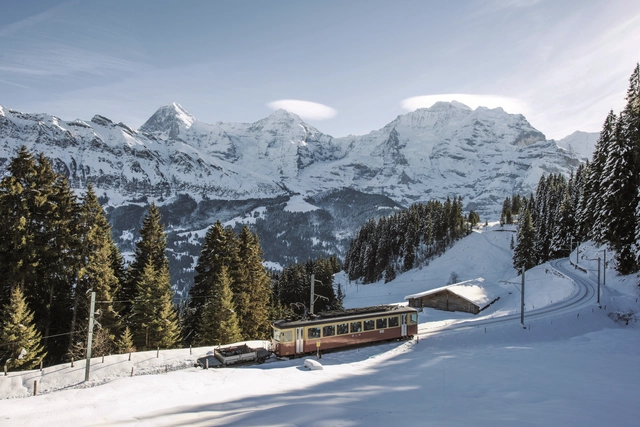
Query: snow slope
[572, 366]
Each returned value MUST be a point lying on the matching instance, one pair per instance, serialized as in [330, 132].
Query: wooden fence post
[35, 387]
[41, 366]
[129, 355]
[72, 362]
[132, 371]
[158, 353]
[5, 369]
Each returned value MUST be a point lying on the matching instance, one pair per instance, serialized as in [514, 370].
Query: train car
[343, 328]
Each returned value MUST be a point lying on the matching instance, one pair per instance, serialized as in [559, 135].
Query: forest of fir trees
[600, 202]
[56, 249]
[391, 245]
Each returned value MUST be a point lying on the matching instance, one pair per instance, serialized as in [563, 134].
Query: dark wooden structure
[468, 297]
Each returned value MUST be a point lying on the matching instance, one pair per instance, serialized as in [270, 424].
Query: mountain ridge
[418, 155]
[245, 173]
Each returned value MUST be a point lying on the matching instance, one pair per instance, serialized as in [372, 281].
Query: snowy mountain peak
[281, 113]
[282, 116]
[457, 104]
[170, 119]
[580, 143]
[280, 121]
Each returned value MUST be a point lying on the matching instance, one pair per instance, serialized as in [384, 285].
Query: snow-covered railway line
[583, 296]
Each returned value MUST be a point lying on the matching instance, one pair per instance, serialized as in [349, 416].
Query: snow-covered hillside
[572, 365]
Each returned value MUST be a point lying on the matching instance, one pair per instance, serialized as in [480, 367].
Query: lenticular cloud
[304, 109]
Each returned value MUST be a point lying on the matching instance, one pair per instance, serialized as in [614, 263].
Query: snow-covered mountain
[249, 173]
[482, 155]
[580, 143]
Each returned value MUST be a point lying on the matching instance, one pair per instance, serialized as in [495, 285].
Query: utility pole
[313, 287]
[314, 297]
[90, 337]
[598, 281]
[577, 251]
[522, 300]
[604, 283]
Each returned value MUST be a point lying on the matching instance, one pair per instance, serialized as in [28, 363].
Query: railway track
[584, 295]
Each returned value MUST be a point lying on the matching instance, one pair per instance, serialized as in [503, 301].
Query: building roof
[472, 290]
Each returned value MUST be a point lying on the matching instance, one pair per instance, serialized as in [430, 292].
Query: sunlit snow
[570, 365]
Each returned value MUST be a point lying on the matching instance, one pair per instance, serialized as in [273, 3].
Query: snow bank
[313, 365]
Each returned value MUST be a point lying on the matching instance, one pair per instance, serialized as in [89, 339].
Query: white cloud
[305, 109]
[510, 105]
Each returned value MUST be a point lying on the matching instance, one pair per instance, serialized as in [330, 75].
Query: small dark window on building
[313, 333]
[381, 323]
[393, 321]
[356, 327]
[369, 325]
[328, 331]
[343, 328]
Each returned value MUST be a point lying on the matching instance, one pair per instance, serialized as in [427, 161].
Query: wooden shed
[470, 296]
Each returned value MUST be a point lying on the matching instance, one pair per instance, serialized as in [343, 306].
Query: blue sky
[352, 66]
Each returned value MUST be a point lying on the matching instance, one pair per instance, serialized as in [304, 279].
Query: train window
[393, 321]
[343, 328]
[381, 323]
[286, 336]
[356, 327]
[369, 325]
[328, 331]
[414, 318]
[313, 333]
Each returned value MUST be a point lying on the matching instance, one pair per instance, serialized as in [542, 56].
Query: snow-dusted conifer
[524, 254]
[253, 287]
[219, 321]
[21, 342]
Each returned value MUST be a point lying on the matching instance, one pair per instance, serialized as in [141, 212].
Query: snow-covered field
[572, 365]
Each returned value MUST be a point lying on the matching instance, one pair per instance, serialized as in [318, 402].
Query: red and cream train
[343, 328]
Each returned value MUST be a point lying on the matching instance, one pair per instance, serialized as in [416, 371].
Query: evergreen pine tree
[39, 245]
[619, 197]
[154, 320]
[151, 247]
[217, 253]
[96, 274]
[124, 343]
[219, 321]
[253, 313]
[563, 228]
[20, 342]
[524, 254]
[593, 209]
[340, 297]
[516, 205]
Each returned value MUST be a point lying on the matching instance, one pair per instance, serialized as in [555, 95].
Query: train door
[299, 340]
[404, 325]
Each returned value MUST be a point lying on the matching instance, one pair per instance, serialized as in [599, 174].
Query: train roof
[346, 314]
